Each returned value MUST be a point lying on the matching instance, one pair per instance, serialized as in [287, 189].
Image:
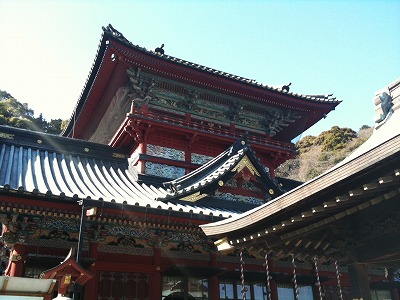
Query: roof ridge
[59, 144]
[111, 31]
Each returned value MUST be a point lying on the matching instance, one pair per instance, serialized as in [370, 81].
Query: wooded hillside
[316, 154]
[16, 114]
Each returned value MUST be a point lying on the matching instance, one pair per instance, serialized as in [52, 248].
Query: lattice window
[165, 152]
[163, 170]
[200, 158]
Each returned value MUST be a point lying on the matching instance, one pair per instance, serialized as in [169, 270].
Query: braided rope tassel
[338, 280]
[268, 278]
[296, 288]
[318, 280]
[244, 290]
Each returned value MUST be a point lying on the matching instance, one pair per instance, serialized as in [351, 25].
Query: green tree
[4, 95]
[16, 114]
[54, 126]
[64, 125]
[40, 123]
[305, 143]
[335, 138]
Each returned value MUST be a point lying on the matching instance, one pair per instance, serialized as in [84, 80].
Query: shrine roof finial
[286, 87]
[159, 50]
[114, 32]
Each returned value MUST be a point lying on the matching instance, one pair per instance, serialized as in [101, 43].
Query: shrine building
[159, 155]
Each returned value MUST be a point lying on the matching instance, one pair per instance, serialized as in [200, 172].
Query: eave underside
[354, 221]
[342, 214]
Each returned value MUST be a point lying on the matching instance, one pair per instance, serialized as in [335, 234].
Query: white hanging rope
[296, 288]
[244, 290]
[318, 280]
[338, 280]
[268, 277]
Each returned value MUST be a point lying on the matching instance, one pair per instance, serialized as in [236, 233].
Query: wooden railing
[209, 127]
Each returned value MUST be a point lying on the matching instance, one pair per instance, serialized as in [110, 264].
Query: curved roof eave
[88, 84]
[109, 33]
[117, 36]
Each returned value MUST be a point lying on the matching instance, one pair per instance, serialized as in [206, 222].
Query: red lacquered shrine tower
[173, 115]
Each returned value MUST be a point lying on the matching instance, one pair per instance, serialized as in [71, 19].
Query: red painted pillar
[157, 257]
[232, 128]
[359, 281]
[214, 288]
[155, 286]
[214, 282]
[272, 283]
[188, 117]
[142, 148]
[16, 263]
[145, 109]
[91, 287]
[188, 156]
[155, 283]
[274, 290]
[271, 172]
[93, 249]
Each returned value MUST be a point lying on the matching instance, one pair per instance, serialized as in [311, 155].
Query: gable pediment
[220, 178]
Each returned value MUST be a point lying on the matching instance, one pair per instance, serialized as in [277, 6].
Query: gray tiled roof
[42, 170]
[43, 165]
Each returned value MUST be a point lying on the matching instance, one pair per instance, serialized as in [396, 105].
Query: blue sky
[348, 48]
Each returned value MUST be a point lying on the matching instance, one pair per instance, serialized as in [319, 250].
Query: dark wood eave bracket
[170, 220]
